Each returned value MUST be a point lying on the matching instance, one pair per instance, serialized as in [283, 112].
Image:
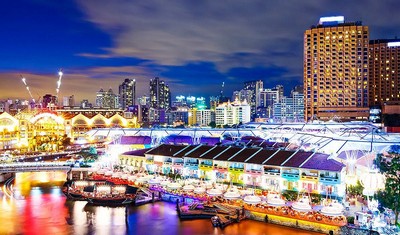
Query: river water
[38, 206]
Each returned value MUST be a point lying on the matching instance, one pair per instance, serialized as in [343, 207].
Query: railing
[272, 173]
[309, 177]
[290, 175]
[328, 179]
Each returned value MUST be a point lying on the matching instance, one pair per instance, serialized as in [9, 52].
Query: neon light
[338, 19]
[393, 44]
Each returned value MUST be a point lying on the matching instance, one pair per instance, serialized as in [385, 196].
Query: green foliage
[390, 196]
[350, 219]
[355, 190]
[212, 124]
[290, 195]
[316, 198]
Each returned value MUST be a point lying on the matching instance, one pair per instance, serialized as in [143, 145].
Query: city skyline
[192, 47]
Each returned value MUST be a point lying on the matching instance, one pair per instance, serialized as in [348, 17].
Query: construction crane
[60, 74]
[27, 88]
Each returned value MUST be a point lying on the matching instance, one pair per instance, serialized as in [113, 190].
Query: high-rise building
[144, 100]
[290, 109]
[232, 113]
[267, 98]
[160, 94]
[256, 87]
[243, 95]
[384, 72]
[336, 70]
[203, 117]
[107, 99]
[127, 93]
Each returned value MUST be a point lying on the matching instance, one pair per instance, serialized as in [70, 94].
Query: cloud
[182, 32]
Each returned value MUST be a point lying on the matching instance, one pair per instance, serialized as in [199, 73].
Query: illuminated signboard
[393, 44]
[329, 19]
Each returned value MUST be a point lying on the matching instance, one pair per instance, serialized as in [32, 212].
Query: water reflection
[39, 207]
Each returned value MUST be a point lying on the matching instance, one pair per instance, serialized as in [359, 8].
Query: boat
[274, 199]
[76, 190]
[334, 208]
[302, 205]
[112, 195]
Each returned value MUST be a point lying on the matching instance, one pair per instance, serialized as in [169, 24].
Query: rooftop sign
[393, 44]
[331, 19]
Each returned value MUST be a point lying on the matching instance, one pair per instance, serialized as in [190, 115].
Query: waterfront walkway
[34, 166]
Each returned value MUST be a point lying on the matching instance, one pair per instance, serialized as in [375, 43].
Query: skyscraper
[107, 99]
[160, 94]
[336, 70]
[127, 93]
[256, 87]
[384, 72]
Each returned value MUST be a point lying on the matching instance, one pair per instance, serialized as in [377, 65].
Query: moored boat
[112, 195]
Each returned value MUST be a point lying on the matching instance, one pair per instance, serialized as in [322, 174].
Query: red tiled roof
[185, 150]
[279, 158]
[261, 156]
[214, 152]
[228, 153]
[297, 159]
[243, 155]
[199, 151]
[166, 150]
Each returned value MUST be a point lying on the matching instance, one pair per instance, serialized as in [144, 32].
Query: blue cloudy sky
[193, 45]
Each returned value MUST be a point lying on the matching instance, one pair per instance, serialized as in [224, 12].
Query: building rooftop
[277, 158]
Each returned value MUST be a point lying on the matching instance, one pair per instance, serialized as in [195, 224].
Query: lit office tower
[256, 87]
[336, 70]
[160, 94]
[384, 72]
[127, 93]
[107, 99]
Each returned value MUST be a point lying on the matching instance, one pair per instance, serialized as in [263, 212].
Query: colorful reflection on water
[39, 207]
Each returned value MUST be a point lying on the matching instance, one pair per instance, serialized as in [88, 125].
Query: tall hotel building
[336, 70]
[384, 72]
[127, 93]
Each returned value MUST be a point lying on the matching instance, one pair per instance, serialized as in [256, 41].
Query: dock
[194, 211]
[145, 196]
[222, 221]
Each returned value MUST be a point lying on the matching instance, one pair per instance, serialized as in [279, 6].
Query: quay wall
[295, 223]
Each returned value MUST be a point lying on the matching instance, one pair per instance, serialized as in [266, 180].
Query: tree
[390, 167]
[355, 190]
[212, 124]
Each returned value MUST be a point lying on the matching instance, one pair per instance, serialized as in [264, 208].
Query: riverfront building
[271, 168]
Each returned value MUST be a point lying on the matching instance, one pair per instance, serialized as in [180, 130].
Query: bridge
[34, 166]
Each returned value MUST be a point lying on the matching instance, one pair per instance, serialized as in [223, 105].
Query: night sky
[193, 45]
